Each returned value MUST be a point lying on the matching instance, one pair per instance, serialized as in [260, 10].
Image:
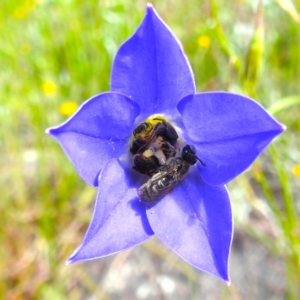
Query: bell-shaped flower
[151, 75]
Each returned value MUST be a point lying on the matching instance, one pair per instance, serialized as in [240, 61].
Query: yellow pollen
[204, 41]
[68, 108]
[296, 170]
[49, 88]
[154, 119]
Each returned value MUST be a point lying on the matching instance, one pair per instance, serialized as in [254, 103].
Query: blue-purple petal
[119, 221]
[228, 130]
[98, 132]
[152, 69]
[195, 221]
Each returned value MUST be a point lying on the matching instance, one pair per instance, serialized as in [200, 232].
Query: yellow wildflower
[49, 88]
[68, 108]
[19, 13]
[296, 170]
[30, 5]
[204, 41]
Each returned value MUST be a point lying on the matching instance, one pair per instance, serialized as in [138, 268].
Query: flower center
[155, 141]
[157, 153]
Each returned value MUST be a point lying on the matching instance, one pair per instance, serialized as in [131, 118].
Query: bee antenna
[202, 163]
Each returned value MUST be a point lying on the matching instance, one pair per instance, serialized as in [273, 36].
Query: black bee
[168, 176]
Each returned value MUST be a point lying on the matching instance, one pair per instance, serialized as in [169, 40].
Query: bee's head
[188, 153]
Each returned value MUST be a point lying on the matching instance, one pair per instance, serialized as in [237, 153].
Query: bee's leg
[169, 150]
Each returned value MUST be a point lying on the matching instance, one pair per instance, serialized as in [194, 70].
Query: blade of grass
[289, 7]
[283, 104]
[254, 57]
[223, 40]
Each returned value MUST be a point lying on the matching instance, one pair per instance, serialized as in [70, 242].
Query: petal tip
[283, 127]
[69, 261]
[151, 10]
[72, 259]
[51, 131]
[228, 282]
[48, 131]
[149, 7]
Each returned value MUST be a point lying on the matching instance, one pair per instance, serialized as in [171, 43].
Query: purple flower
[151, 75]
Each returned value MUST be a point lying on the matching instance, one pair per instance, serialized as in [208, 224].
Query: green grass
[45, 207]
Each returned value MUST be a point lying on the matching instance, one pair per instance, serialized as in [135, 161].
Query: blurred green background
[56, 54]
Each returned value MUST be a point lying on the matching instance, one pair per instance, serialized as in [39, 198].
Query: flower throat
[156, 153]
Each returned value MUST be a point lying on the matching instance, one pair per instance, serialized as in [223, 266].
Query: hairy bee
[146, 132]
[154, 142]
[168, 176]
